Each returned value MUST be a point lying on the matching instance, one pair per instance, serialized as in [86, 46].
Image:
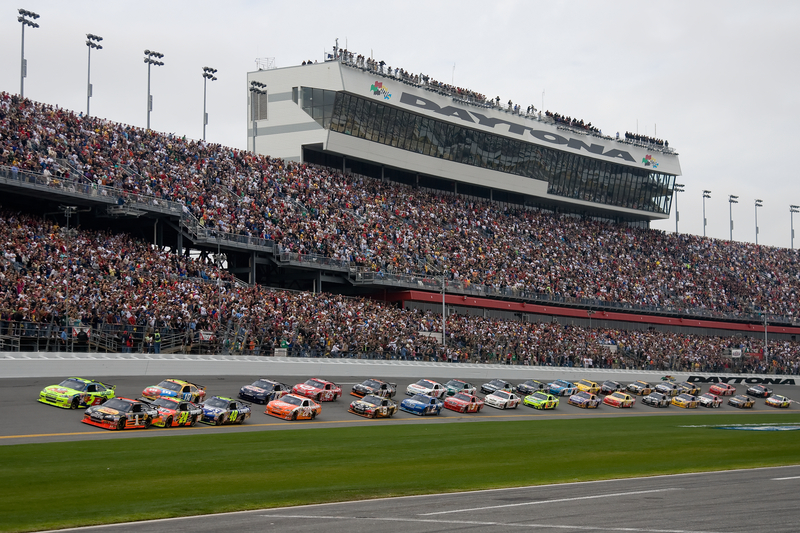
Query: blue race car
[561, 387]
[219, 410]
[421, 404]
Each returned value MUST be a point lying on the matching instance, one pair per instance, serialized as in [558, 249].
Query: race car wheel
[168, 423]
[193, 421]
[75, 403]
[319, 397]
[313, 415]
[121, 423]
[294, 415]
[220, 420]
[147, 422]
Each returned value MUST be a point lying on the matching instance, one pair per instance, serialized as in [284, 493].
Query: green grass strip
[58, 485]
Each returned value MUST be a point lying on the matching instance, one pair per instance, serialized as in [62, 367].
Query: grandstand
[235, 238]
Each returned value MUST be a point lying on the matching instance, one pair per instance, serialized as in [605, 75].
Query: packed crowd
[390, 228]
[99, 279]
[572, 122]
[638, 137]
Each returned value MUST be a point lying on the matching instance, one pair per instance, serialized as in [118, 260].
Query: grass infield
[55, 485]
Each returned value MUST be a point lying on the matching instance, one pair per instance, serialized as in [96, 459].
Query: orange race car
[294, 407]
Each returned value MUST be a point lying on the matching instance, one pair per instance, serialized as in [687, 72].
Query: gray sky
[717, 79]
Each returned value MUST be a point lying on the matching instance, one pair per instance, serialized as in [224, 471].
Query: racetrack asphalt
[756, 500]
[34, 422]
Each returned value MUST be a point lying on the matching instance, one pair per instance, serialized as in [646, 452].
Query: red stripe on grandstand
[522, 307]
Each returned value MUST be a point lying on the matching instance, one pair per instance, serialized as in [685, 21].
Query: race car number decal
[184, 417]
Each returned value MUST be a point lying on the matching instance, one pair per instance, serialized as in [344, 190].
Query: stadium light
[706, 194]
[676, 189]
[792, 210]
[92, 41]
[208, 74]
[732, 200]
[256, 88]
[25, 19]
[758, 204]
[151, 58]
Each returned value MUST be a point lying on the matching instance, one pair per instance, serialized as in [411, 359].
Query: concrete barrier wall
[46, 364]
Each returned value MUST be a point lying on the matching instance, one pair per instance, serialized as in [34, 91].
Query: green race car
[541, 400]
[73, 393]
[454, 386]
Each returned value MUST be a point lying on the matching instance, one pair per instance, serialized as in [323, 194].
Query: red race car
[464, 403]
[722, 389]
[319, 390]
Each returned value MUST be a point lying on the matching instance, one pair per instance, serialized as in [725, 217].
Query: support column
[180, 243]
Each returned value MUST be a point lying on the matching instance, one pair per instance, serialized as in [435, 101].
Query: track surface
[36, 422]
[716, 502]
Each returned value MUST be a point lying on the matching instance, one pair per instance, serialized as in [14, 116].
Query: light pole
[68, 210]
[23, 67]
[732, 200]
[706, 194]
[590, 313]
[256, 88]
[758, 204]
[208, 74]
[91, 42]
[678, 188]
[792, 210]
[148, 58]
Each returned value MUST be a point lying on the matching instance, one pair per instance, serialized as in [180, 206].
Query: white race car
[502, 400]
[428, 387]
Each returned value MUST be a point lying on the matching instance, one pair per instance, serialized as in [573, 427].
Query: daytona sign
[741, 379]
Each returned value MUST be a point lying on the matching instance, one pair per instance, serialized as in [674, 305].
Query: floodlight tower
[706, 194]
[732, 200]
[678, 188]
[149, 56]
[256, 88]
[24, 18]
[208, 74]
[792, 210]
[758, 204]
[92, 41]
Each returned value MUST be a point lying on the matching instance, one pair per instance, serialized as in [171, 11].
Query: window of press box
[317, 103]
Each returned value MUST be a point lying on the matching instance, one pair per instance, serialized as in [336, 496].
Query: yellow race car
[585, 385]
[687, 401]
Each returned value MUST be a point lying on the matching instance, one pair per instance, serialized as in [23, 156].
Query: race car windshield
[292, 400]
[118, 405]
[169, 385]
[315, 383]
[217, 402]
[539, 396]
[372, 400]
[421, 398]
[455, 384]
[164, 402]
[686, 397]
[425, 383]
[502, 394]
[261, 384]
[73, 384]
[586, 383]
[497, 383]
[372, 384]
[462, 397]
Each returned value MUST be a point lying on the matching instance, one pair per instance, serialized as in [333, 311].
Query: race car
[294, 407]
[759, 391]
[741, 401]
[173, 412]
[219, 410]
[495, 385]
[688, 388]
[263, 391]
[372, 406]
[610, 386]
[668, 378]
[541, 400]
[421, 404]
[709, 400]
[73, 393]
[640, 388]
[454, 386]
[319, 390]
[530, 386]
[375, 387]
[176, 388]
[502, 399]
[686, 401]
[428, 387]
[120, 413]
[463, 403]
[722, 389]
[619, 400]
[584, 399]
[656, 399]
[776, 400]
[587, 386]
[668, 387]
[562, 387]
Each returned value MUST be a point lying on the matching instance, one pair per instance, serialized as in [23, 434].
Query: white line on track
[593, 497]
[487, 523]
[785, 478]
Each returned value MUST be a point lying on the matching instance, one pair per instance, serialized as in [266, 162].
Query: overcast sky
[717, 79]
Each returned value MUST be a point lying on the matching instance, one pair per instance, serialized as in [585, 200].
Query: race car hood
[256, 390]
[158, 391]
[58, 390]
[307, 388]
